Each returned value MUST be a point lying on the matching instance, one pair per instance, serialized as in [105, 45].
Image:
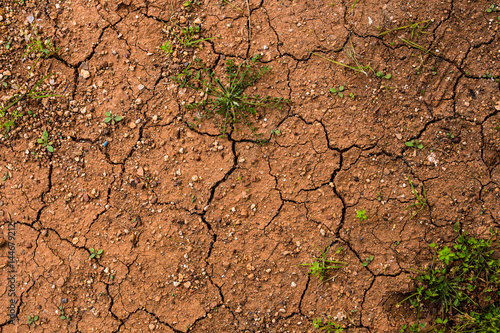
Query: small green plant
[95, 254]
[414, 144]
[327, 324]
[228, 100]
[6, 176]
[338, 91]
[352, 96]
[32, 93]
[39, 47]
[167, 48]
[361, 215]
[188, 36]
[275, 132]
[492, 8]
[320, 266]
[63, 315]
[367, 261]
[416, 28]
[421, 199]
[417, 46]
[382, 75]
[463, 281]
[32, 320]
[112, 118]
[44, 141]
[379, 196]
[190, 3]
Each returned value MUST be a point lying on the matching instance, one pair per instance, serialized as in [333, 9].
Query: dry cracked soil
[204, 232]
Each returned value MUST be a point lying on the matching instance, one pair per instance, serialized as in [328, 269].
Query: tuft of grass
[319, 267]
[421, 199]
[189, 36]
[415, 28]
[8, 119]
[41, 48]
[228, 98]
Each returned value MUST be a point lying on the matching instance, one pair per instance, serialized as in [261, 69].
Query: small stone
[60, 282]
[140, 171]
[456, 139]
[197, 21]
[44, 232]
[250, 276]
[140, 87]
[293, 285]
[75, 240]
[187, 284]
[85, 197]
[176, 284]
[132, 125]
[29, 246]
[85, 73]
[182, 20]
[151, 327]
[244, 213]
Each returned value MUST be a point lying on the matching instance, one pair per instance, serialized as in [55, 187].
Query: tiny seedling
[492, 8]
[95, 254]
[421, 199]
[367, 261]
[360, 214]
[338, 91]
[327, 324]
[112, 118]
[352, 96]
[381, 74]
[320, 266]
[39, 47]
[276, 132]
[63, 315]
[416, 28]
[379, 196]
[44, 141]
[167, 48]
[32, 320]
[414, 144]
[6, 176]
[230, 100]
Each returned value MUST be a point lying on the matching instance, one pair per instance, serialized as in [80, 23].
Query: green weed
[463, 281]
[361, 215]
[421, 199]
[189, 35]
[167, 48]
[319, 267]
[44, 141]
[32, 320]
[228, 99]
[415, 28]
[414, 144]
[338, 91]
[63, 315]
[367, 261]
[95, 254]
[39, 47]
[112, 118]
[327, 324]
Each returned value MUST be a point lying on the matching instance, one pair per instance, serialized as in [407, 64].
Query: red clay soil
[206, 233]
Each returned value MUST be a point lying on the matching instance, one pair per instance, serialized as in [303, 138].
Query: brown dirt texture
[203, 232]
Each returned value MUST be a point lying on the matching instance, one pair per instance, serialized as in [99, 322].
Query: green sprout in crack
[361, 215]
[95, 254]
[421, 202]
[319, 267]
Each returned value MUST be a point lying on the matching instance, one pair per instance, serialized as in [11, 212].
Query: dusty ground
[204, 234]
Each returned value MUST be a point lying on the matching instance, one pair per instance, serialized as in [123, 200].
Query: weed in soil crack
[320, 266]
[463, 281]
[327, 324]
[228, 99]
[421, 199]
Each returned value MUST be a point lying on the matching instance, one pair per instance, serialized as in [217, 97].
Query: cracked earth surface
[205, 234]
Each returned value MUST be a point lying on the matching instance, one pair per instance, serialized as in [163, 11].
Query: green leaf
[45, 135]
[63, 317]
[333, 91]
[35, 318]
[92, 255]
[100, 251]
[380, 74]
[29, 317]
[108, 114]
[388, 76]
[341, 94]
[39, 140]
[107, 120]
[118, 118]
[50, 149]
[420, 146]
[92, 250]
[341, 88]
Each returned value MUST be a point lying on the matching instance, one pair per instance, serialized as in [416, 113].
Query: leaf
[379, 74]
[92, 255]
[118, 118]
[92, 250]
[63, 317]
[107, 120]
[108, 114]
[39, 140]
[409, 143]
[420, 146]
[388, 76]
[333, 91]
[341, 94]
[29, 318]
[35, 318]
[50, 149]
[100, 251]
[45, 135]
[341, 88]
